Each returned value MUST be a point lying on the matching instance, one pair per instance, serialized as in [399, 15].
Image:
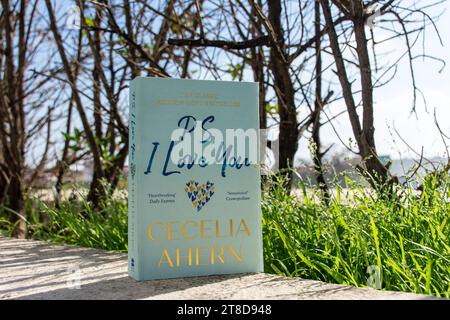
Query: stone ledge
[39, 270]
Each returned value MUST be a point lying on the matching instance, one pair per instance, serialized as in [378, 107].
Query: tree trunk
[364, 135]
[90, 136]
[258, 76]
[288, 136]
[12, 114]
[96, 190]
[318, 107]
[368, 148]
[17, 204]
[62, 164]
[3, 175]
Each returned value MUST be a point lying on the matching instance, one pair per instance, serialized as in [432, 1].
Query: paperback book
[194, 179]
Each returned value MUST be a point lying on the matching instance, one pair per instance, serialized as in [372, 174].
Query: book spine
[133, 233]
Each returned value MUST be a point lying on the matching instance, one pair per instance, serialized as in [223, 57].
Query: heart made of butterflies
[199, 194]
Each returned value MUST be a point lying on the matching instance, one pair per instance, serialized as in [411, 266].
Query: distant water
[403, 169]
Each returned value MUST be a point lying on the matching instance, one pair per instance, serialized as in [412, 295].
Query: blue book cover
[194, 178]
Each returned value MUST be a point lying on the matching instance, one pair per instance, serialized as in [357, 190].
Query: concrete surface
[40, 270]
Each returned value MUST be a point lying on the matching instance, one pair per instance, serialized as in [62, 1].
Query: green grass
[405, 235]
[78, 223]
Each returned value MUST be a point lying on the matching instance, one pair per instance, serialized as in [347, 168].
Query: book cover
[194, 178]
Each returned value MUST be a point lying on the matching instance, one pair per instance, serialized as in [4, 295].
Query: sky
[393, 103]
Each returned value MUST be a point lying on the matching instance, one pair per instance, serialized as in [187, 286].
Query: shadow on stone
[127, 288]
[39, 270]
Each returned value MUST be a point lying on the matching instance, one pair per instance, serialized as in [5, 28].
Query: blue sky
[393, 102]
